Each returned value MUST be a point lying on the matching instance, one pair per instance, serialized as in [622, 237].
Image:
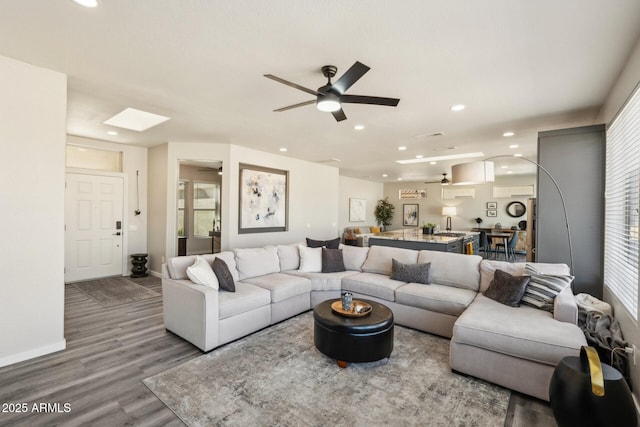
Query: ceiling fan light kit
[330, 97]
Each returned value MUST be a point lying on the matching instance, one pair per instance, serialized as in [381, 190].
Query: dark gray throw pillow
[221, 269]
[329, 244]
[507, 289]
[332, 260]
[413, 273]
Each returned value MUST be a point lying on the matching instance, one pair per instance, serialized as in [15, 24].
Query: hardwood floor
[109, 352]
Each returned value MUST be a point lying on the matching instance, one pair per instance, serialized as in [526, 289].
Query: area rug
[276, 377]
[114, 291]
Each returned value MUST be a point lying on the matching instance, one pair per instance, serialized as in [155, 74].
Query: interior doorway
[199, 222]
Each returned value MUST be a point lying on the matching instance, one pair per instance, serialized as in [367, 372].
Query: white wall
[33, 110]
[358, 189]
[134, 159]
[157, 206]
[430, 209]
[628, 80]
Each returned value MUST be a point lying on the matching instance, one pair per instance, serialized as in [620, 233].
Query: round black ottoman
[353, 339]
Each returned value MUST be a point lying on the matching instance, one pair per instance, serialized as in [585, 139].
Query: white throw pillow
[310, 259]
[201, 273]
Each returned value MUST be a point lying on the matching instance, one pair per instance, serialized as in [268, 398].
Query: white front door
[93, 219]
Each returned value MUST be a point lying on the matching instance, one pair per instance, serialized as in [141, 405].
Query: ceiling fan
[443, 181]
[331, 96]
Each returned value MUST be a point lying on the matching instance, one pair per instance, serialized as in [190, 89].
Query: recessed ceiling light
[458, 107]
[87, 3]
[419, 156]
[358, 127]
[284, 150]
[137, 120]
[504, 167]
[399, 179]
[509, 133]
[514, 146]
[402, 148]
[112, 133]
[447, 157]
[384, 175]
[433, 163]
[509, 171]
[517, 155]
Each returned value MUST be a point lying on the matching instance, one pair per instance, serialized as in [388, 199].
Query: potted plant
[384, 212]
[428, 227]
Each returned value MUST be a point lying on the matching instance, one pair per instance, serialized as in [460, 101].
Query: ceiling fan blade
[301, 104]
[290, 84]
[339, 115]
[352, 75]
[361, 99]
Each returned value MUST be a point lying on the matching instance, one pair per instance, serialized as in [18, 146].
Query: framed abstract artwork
[357, 210]
[410, 215]
[264, 199]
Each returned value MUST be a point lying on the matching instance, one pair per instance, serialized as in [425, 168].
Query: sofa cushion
[310, 259]
[329, 244]
[488, 267]
[436, 298]
[253, 262]
[332, 260]
[281, 285]
[201, 273]
[225, 278]
[450, 269]
[379, 259]
[177, 266]
[324, 281]
[246, 298]
[523, 332]
[375, 285]
[289, 257]
[543, 289]
[507, 289]
[354, 256]
[416, 273]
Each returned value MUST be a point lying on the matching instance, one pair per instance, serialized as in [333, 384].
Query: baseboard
[155, 274]
[33, 353]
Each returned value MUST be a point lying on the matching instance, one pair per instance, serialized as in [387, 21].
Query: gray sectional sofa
[516, 347]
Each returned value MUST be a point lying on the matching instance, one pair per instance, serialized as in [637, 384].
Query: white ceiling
[517, 65]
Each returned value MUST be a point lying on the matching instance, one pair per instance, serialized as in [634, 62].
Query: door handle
[116, 234]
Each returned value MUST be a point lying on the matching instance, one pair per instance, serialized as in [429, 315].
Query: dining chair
[483, 244]
[511, 247]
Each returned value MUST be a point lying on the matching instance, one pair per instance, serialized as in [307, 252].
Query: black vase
[577, 399]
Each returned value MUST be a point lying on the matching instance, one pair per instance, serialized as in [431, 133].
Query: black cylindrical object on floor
[583, 392]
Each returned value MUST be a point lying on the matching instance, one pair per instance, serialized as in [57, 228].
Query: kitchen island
[451, 241]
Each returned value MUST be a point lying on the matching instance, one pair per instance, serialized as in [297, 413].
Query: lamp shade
[448, 211]
[472, 173]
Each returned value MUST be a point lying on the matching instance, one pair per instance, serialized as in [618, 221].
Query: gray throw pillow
[543, 288]
[225, 278]
[329, 244]
[507, 289]
[332, 260]
[412, 273]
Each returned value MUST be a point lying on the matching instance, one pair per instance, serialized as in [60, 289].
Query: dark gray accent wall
[576, 159]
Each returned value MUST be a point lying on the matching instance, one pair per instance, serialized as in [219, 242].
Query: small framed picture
[492, 213]
[492, 205]
[410, 215]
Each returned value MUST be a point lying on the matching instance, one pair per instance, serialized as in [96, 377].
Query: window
[622, 198]
[204, 207]
[182, 225]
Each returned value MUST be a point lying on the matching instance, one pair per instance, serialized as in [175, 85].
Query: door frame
[125, 210]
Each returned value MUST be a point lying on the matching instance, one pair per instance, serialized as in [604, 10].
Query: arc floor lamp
[482, 171]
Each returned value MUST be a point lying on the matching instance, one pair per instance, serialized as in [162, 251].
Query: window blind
[622, 204]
